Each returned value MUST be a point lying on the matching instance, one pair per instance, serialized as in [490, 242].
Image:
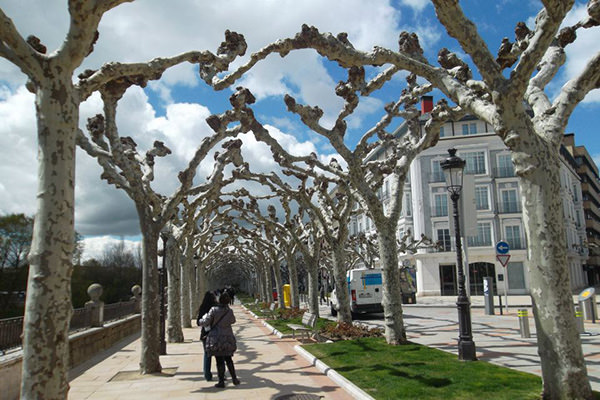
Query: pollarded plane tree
[207, 248]
[57, 100]
[192, 214]
[512, 96]
[273, 228]
[125, 168]
[207, 223]
[331, 211]
[366, 173]
[371, 163]
[267, 242]
[171, 234]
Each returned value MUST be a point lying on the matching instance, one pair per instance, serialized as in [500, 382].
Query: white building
[495, 213]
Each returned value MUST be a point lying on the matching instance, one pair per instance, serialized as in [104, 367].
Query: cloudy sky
[174, 109]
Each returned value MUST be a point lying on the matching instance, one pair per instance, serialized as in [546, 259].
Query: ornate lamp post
[161, 292]
[453, 169]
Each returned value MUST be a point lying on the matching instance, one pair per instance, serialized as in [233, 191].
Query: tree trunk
[278, 283]
[392, 295]
[564, 372]
[149, 358]
[202, 284]
[293, 271]
[312, 268]
[268, 284]
[186, 319]
[341, 284]
[48, 307]
[174, 331]
[195, 293]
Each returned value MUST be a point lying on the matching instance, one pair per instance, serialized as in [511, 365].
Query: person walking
[322, 293]
[209, 301]
[220, 341]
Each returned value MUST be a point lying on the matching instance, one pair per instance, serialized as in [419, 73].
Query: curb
[344, 383]
[268, 326]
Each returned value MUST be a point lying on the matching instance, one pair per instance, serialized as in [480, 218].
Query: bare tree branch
[15, 49]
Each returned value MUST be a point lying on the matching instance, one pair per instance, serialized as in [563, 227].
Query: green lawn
[418, 372]
[281, 324]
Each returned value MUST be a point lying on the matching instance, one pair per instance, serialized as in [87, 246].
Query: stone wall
[82, 346]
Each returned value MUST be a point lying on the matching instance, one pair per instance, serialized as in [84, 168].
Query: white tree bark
[150, 341]
[564, 371]
[174, 315]
[48, 306]
[186, 287]
[293, 271]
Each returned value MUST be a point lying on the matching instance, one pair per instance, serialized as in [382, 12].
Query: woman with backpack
[220, 341]
[209, 301]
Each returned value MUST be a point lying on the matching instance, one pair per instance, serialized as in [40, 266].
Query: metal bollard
[524, 322]
[579, 320]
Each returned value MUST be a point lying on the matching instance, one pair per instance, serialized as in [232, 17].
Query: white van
[365, 289]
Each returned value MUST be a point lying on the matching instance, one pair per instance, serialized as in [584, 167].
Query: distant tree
[15, 240]
[78, 250]
[118, 256]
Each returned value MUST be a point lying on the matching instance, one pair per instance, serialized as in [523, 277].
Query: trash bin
[587, 302]
[287, 295]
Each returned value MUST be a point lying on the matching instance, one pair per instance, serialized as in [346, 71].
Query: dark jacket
[224, 318]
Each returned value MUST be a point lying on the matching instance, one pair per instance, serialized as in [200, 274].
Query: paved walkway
[268, 367]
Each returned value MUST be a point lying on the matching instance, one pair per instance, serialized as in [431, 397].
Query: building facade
[492, 205]
[590, 187]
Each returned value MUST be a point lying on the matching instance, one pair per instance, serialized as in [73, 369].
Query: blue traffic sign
[502, 247]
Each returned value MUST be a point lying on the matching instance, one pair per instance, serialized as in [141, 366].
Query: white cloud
[18, 170]
[417, 5]
[94, 247]
[580, 52]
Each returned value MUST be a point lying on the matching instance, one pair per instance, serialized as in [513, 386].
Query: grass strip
[414, 371]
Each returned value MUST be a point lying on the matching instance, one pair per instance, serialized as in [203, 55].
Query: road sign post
[502, 255]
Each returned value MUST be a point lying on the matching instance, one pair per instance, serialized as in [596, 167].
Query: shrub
[344, 331]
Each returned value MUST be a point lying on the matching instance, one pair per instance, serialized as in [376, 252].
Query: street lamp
[161, 293]
[453, 169]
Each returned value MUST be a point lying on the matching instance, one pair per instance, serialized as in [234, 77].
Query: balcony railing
[439, 212]
[509, 207]
[504, 172]
[12, 328]
[437, 177]
[516, 244]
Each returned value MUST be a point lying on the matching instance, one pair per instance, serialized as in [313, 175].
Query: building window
[484, 235]
[505, 166]
[512, 234]
[482, 198]
[437, 174]
[442, 133]
[465, 129]
[475, 162]
[443, 237]
[473, 128]
[509, 201]
[406, 206]
[440, 205]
